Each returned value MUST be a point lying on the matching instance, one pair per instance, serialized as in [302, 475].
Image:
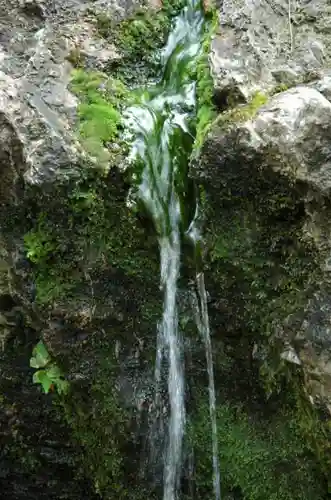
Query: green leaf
[41, 377]
[40, 356]
[62, 386]
[54, 373]
[34, 363]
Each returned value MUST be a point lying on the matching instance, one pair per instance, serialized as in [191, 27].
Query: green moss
[259, 457]
[39, 242]
[101, 100]
[205, 84]
[76, 58]
[100, 430]
[43, 246]
[139, 39]
[241, 113]
[92, 229]
[282, 87]
[266, 278]
[104, 429]
[86, 223]
[104, 25]
[142, 34]
[207, 115]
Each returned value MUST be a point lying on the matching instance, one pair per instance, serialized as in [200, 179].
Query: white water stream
[160, 127]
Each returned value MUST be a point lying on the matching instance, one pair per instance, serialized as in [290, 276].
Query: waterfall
[203, 325]
[162, 137]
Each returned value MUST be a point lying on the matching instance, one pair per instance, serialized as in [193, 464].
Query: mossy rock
[259, 458]
[90, 254]
[262, 269]
[139, 39]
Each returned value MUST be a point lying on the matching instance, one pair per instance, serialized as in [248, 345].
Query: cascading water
[202, 320]
[162, 128]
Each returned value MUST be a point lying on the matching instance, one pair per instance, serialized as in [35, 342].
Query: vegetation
[82, 239]
[139, 39]
[87, 223]
[87, 227]
[43, 246]
[84, 236]
[206, 112]
[241, 113]
[99, 112]
[259, 458]
[49, 376]
[100, 429]
[106, 431]
[39, 244]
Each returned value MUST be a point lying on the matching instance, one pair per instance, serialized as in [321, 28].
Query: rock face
[285, 146]
[42, 164]
[38, 458]
[290, 135]
[79, 268]
[274, 158]
[36, 43]
[261, 46]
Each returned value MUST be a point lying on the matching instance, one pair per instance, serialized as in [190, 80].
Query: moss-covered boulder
[264, 174]
[266, 178]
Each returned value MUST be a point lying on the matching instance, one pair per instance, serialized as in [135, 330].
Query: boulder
[261, 46]
[267, 173]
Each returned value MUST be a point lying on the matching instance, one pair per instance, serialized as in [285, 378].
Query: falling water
[162, 128]
[203, 325]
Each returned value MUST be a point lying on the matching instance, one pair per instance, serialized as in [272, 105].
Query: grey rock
[260, 45]
[38, 138]
[289, 135]
[114, 9]
[323, 85]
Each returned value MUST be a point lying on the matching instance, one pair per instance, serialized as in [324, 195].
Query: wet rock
[40, 155]
[40, 146]
[32, 433]
[273, 167]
